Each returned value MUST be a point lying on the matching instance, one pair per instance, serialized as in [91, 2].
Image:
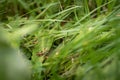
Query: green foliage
[65, 39]
[13, 65]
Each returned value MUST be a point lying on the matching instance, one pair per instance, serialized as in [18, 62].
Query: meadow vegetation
[64, 39]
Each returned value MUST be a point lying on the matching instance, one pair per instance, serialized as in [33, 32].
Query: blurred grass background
[65, 39]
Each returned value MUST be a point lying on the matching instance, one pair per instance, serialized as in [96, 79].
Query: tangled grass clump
[65, 40]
